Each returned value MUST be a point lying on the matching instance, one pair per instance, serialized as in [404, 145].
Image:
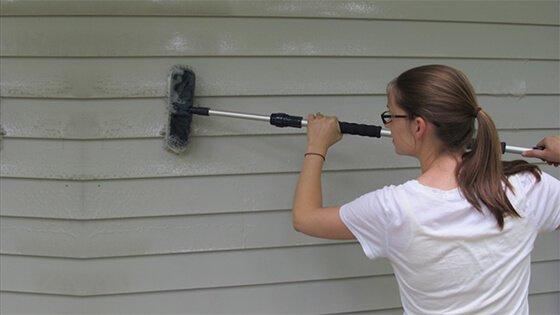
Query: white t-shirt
[449, 258]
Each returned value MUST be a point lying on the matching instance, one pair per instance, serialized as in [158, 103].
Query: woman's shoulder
[394, 198]
[393, 189]
[528, 187]
[526, 181]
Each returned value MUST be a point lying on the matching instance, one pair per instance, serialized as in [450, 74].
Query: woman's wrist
[315, 154]
[317, 149]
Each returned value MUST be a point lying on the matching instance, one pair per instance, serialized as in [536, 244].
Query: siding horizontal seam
[207, 252]
[249, 95]
[146, 217]
[250, 135]
[4, 56]
[210, 97]
[162, 16]
[337, 244]
[223, 287]
[264, 134]
[93, 178]
[207, 175]
[214, 288]
[85, 139]
[96, 178]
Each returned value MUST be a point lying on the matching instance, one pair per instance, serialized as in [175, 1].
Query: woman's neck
[438, 170]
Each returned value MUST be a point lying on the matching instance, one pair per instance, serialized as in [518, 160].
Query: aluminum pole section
[238, 115]
[384, 133]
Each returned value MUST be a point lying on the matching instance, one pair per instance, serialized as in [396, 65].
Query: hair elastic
[478, 109]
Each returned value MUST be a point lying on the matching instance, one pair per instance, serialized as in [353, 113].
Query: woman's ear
[420, 127]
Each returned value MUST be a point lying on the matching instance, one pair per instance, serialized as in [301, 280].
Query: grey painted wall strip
[104, 199]
[142, 158]
[157, 197]
[174, 36]
[168, 235]
[287, 299]
[183, 272]
[542, 12]
[228, 76]
[146, 118]
[304, 297]
[172, 235]
[211, 270]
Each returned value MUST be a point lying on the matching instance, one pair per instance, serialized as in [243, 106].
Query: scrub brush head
[180, 102]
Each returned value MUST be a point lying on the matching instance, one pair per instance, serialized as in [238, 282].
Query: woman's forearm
[308, 195]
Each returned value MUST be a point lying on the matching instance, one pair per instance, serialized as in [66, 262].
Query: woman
[459, 237]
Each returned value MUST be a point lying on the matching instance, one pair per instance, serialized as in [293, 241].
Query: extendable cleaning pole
[181, 94]
[285, 120]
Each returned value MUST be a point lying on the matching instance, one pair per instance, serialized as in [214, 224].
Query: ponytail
[482, 176]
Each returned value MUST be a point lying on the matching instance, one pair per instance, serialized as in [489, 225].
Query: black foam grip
[503, 146]
[360, 129]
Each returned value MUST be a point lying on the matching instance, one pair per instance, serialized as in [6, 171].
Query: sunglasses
[386, 117]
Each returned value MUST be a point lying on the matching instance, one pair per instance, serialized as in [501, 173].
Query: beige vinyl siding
[203, 36]
[513, 12]
[230, 268]
[338, 296]
[102, 119]
[145, 158]
[257, 76]
[97, 218]
[237, 231]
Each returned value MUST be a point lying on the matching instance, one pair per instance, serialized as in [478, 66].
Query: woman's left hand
[322, 132]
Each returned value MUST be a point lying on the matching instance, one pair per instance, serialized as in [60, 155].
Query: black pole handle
[285, 120]
[360, 129]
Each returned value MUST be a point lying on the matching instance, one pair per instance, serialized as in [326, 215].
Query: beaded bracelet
[314, 154]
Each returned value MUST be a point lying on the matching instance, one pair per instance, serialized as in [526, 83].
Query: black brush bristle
[181, 95]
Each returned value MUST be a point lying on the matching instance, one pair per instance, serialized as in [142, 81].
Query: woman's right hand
[551, 152]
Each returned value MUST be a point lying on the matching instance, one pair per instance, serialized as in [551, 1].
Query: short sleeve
[543, 201]
[366, 217]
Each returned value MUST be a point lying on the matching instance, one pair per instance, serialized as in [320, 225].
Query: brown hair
[444, 96]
